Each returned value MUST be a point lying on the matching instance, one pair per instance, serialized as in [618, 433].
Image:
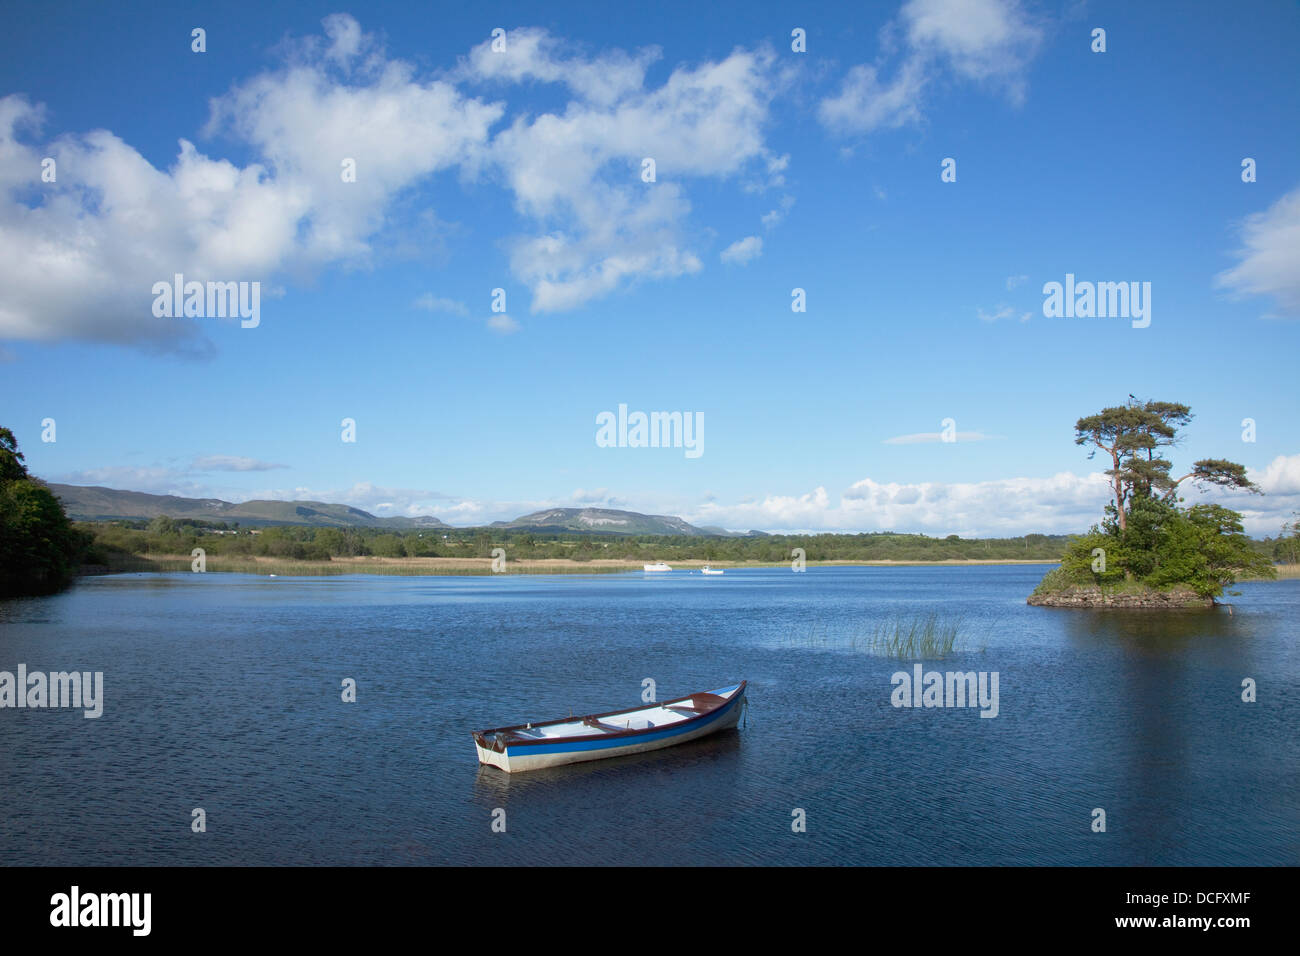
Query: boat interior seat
[706, 702]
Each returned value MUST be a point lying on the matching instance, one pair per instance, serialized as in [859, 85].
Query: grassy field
[1284, 571]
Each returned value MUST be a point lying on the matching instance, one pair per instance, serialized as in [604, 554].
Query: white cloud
[919, 438]
[1002, 311]
[232, 463]
[153, 480]
[743, 251]
[1270, 257]
[1064, 503]
[577, 175]
[78, 257]
[774, 216]
[502, 323]
[865, 104]
[987, 41]
[1013, 281]
[80, 262]
[533, 54]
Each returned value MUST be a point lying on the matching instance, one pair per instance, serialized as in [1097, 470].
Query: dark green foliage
[39, 548]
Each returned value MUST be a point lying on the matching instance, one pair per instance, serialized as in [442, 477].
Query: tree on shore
[39, 548]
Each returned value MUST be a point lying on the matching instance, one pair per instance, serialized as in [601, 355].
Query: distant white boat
[574, 739]
[657, 566]
[707, 570]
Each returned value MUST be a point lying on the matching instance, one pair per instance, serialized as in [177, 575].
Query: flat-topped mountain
[86, 503]
[603, 520]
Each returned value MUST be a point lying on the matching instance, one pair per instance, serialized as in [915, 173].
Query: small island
[1149, 551]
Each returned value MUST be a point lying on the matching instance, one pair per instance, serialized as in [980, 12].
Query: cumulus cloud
[1270, 256]
[985, 41]
[79, 256]
[1063, 503]
[743, 251]
[576, 175]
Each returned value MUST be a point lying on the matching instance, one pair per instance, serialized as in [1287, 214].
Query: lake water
[224, 692]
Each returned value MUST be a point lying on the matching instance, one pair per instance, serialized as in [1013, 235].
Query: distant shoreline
[435, 567]
[451, 567]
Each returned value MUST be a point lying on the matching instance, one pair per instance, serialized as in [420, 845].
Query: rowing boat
[657, 566]
[615, 734]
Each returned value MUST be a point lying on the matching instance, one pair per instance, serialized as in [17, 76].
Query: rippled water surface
[223, 692]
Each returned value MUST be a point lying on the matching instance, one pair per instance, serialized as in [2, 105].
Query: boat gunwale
[480, 736]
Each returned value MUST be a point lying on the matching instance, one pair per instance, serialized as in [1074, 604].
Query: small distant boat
[616, 734]
[708, 570]
[657, 566]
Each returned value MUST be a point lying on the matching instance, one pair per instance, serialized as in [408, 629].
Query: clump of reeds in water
[923, 637]
[932, 636]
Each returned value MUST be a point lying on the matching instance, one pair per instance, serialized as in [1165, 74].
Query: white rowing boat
[707, 570]
[615, 734]
[657, 566]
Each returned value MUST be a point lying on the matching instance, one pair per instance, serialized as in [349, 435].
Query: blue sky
[521, 169]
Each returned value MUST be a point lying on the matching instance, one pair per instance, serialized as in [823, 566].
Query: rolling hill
[87, 503]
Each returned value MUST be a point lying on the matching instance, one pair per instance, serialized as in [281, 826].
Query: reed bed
[931, 636]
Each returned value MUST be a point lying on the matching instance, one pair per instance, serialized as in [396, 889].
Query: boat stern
[488, 752]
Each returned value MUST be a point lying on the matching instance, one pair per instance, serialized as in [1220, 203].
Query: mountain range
[93, 503]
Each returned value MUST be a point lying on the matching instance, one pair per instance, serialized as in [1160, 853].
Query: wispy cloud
[232, 463]
[431, 303]
[1002, 311]
[990, 42]
[1270, 256]
[920, 438]
[743, 251]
